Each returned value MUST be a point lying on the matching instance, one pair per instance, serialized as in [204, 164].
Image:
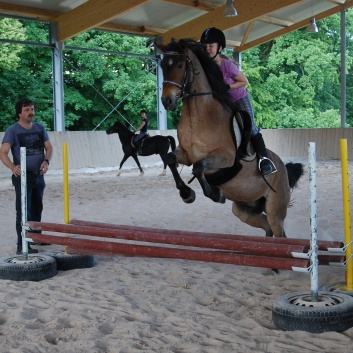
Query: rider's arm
[141, 126]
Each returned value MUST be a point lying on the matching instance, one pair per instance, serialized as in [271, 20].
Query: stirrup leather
[272, 167]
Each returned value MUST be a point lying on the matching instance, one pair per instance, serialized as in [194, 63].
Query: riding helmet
[213, 35]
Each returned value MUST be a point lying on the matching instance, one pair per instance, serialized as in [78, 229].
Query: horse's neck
[203, 107]
[125, 136]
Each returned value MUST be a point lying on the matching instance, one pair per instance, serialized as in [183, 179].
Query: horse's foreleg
[134, 156]
[122, 163]
[213, 192]
[187, 194]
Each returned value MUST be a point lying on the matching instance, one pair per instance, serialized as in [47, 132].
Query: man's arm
[48, 150]
[4, 157]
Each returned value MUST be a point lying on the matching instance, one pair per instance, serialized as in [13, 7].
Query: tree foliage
[294, 79]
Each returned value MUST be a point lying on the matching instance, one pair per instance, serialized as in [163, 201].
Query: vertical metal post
[343, 68]
[58, 82]
[313, 224]
[162, 113]
[24, 201]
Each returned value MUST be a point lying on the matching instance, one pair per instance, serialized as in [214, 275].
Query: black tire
[296, 311]
[67, 262]
[337, 288]
[36, 268]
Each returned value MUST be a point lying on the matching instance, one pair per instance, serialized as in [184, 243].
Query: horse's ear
[161, 47]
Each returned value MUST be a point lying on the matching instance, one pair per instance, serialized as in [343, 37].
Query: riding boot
[266, 166]
[139, 147]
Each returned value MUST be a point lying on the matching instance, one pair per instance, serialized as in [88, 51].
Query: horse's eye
[180, 65]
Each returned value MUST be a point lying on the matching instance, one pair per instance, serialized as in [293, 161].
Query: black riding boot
[266, 166]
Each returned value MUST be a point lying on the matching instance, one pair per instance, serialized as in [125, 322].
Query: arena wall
[91, 151]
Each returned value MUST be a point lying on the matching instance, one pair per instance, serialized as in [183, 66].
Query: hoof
[190, 197]
[164, 173]
[118, 173]
[141, 174]
[218, 197]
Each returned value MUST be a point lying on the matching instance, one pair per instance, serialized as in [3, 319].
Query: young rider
[214, 42]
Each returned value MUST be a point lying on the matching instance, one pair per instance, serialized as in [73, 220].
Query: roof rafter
[246, 12]
[91, 14]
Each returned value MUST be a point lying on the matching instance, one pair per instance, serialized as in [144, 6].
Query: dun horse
[151, 145]
[208, 143]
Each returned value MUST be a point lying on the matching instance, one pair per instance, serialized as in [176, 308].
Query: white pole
[24, 201]
[313, 223]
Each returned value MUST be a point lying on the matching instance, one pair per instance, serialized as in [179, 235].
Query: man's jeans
[35, 191]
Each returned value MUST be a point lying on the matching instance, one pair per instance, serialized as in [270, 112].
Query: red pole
[322, 244]
[101, 247]
[261, 248]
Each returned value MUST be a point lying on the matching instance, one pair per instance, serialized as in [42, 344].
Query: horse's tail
[172, 142]
[295, 171]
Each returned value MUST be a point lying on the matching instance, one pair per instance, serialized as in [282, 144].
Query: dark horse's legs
[126, 156]
[186, 193]
[213, 192]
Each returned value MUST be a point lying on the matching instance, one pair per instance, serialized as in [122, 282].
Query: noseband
[184, 86]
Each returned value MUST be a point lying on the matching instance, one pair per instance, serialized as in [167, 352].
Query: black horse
[151, 145]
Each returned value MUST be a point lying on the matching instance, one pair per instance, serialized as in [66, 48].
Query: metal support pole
[343, 68]
[24, 201]
[313, 224]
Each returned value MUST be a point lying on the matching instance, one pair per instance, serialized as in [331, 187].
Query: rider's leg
[266, 166]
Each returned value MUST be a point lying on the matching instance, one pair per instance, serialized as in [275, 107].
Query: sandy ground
[130, 305]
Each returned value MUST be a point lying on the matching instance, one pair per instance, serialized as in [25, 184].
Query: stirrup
[266, 166]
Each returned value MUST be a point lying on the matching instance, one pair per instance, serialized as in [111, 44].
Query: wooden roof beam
[28, 11]
[92, 14]
[294, 27]
[246, 12]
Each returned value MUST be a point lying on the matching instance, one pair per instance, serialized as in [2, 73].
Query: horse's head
[175, 66]
[118, 127]
[183, 64]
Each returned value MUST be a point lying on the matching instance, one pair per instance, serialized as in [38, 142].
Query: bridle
[184, 86]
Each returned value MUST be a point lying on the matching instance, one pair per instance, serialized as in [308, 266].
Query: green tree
[295, 78]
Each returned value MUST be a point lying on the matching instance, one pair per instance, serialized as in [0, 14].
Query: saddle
[139, 144]
[241, 128]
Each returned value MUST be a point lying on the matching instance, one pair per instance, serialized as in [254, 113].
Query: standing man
[143, 128]
[33, 136]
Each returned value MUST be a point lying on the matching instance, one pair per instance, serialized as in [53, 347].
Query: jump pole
[85, 246]
[322, 244]
[245, 246]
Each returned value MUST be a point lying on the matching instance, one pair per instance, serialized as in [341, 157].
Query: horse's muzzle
[170, 102]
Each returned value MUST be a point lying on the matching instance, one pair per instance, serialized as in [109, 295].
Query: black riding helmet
[213, 35]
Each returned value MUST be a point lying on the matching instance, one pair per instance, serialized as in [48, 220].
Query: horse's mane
[212, 70]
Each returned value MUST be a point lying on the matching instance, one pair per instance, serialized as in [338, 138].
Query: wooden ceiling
[258, 21]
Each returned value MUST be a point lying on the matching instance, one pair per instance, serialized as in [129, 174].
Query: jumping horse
[151, 145]
[207, 142]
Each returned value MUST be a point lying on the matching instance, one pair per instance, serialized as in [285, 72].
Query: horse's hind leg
[257, 220]
[164, 160]
[276, 210]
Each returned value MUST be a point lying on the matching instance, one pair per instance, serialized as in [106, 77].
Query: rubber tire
[36, 268]
[288, 316]
[67, 262]
[336, 288]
